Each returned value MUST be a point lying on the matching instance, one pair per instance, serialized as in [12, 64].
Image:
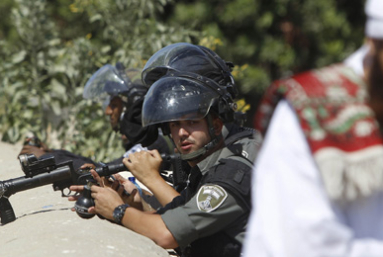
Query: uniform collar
[209, 161]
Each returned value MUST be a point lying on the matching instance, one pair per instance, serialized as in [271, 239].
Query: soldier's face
[114, 110]
[189, 135]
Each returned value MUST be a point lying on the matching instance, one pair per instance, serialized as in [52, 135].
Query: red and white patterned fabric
[339, 126]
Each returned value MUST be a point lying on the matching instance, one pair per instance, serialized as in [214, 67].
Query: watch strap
[119, 212]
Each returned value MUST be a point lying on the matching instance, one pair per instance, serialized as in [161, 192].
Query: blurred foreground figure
[318, 181]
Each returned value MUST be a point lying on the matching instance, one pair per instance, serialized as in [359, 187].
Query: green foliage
[50, 48]
[275, 38]
[57, 48]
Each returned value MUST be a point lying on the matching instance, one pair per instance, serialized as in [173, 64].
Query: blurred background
[50, 48]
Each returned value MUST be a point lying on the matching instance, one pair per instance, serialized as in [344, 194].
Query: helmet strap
[199, 153]
[117, 129]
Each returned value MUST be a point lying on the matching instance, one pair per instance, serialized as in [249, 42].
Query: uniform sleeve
[202, 216]
[292, 215]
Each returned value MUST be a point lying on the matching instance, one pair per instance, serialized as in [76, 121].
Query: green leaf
[58, 88]
[96, 17]
[55, 105]
[19, 57]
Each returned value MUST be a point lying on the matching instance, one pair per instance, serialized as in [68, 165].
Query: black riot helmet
[186, 57]
[185, 60]
[110, 81]
[187, 96]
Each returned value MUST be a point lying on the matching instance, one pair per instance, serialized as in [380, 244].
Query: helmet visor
[104, 84]
[174, 99]
[179, 57]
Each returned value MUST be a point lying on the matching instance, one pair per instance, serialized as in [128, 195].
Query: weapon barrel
[12, 186]
[115, 168]
[108, 170]
[102, 172]
[111, 169]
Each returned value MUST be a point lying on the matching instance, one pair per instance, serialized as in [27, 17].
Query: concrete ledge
[45, 225]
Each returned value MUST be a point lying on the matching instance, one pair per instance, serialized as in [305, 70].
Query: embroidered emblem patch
[210, 198]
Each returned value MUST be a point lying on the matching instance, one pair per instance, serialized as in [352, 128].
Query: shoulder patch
[210, 197]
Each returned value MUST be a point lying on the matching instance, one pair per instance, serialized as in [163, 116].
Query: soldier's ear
[218, 125]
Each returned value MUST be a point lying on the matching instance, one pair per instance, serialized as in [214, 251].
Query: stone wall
[45, 225]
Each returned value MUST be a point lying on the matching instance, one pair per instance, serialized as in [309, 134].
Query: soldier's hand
[106, 200]
[101, 181]
[75, 188]
[144, 165]
[88, 166]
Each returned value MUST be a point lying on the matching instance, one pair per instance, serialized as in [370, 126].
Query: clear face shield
[177, 98]
[106, 83]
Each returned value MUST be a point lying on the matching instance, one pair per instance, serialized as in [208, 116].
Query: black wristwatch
[119, 212]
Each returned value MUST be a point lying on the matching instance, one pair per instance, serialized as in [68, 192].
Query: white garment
[355, 60]
[374, 23]
[292, 215]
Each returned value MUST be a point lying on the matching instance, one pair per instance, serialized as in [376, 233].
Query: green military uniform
[216, 205]
[191, 82]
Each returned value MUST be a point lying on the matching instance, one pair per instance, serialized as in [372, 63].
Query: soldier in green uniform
[209, 217]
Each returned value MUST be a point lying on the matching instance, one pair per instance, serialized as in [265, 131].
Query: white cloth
[292, 215]
[374, 23]
[355, 60]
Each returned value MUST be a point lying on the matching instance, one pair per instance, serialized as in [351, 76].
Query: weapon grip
[6, 211]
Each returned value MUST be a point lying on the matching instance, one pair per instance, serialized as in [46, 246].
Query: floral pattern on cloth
[339, 126]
